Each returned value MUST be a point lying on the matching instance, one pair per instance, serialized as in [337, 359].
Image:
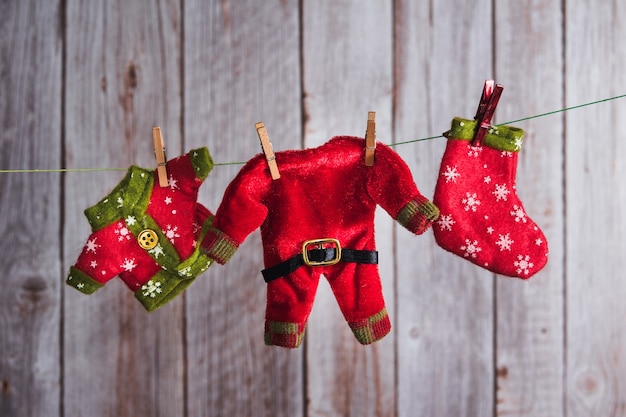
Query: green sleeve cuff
[219, 246]
[418, 215]
[201, 161]
[502, 138]
[82, 282]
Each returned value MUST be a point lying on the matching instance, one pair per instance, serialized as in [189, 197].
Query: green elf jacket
[148, 234]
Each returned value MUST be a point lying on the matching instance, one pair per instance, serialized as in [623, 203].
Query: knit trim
[82, 282]
[371, 329]
[502, 138]
[284, 334]
[219, 246]
[418, 214]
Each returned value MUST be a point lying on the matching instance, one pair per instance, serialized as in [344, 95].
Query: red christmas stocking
[482, 219]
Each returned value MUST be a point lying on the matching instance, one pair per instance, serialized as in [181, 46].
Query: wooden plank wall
[82, 84]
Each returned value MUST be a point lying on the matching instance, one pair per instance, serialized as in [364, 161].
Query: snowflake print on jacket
[148, 234]
[490, 226]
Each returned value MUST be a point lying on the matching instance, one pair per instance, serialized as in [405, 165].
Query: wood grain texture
[529, 325]
[241, 67]
[444, 303]
[347, 70]
[30, 137]
[123, 78]
[595, 199]
[83, 83]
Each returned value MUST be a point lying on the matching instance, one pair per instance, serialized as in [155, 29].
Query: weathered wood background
[83, 82]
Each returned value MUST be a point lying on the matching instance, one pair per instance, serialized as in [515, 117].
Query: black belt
[319, 257]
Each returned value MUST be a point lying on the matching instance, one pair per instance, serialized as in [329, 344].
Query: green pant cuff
[371, 329]
[284, 334]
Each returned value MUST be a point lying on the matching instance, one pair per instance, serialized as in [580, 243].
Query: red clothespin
[159, 153]
[267, 150]
[370, 139]
[486, 108]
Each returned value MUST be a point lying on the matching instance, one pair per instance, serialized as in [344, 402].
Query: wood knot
[5, 387]
[131, 78]
[35, 284]
[502, 372]
[33, 295]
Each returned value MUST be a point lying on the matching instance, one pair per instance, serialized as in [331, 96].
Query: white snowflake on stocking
[196, 228]
[91, 245]
[445, 222]
[131, 220]
[128, 264]
[93, 264]
[168, 200]
[501, 192]
[504, 242]
[506, 154]
[122, 232]
[470, 248]
[518, 143]
[523, 264]
[487, 179]
[518, 213]
[474, 151]
[493, 130]
[173, 183]
[151, 289]
[471, 202]
[171, 233]
[451, 174]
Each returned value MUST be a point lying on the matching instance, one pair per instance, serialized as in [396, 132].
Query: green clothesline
[7, 171]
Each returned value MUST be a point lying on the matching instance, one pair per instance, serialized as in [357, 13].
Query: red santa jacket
[147, 234]
[324, 192]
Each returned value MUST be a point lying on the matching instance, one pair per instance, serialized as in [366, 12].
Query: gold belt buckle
[321, 242]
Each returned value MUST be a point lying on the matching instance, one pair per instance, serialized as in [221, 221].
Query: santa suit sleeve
[391, 185]
[241, 212]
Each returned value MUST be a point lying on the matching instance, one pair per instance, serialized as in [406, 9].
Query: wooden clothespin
[159, 153]
[487, 106]
[370, 139]
[268, 150]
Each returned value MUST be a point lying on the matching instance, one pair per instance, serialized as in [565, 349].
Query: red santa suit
[147, 234]
[329, 195]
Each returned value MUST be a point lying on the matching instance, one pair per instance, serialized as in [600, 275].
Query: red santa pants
[357, 289]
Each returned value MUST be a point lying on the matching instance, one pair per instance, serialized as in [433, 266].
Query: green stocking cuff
[502, 138]
[82, 282]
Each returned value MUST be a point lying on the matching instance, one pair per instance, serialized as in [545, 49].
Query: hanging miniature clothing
[318, 218]
[147, 234]
[482, 218]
